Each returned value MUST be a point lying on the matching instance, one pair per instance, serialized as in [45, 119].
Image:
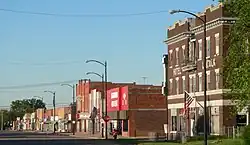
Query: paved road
[34, 138]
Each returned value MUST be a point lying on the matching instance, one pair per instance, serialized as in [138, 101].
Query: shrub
[246, 135]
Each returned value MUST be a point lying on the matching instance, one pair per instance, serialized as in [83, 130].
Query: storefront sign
[113, 99]
[117, 99]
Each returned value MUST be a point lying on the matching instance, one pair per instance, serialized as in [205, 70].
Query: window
[174, 119]
[217, 78]
[200, 49]
[241, 120]
[177, 85]
[208, 47]
[200, 82]
[170, 57]
[191, 50]
[194, 84]
[170, 85]
[174, 123]
[177, 56]
[183, 53]
[217, 44]
[183, 83]
[208, 80]
[190, 84]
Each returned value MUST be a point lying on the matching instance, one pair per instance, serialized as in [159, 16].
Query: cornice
[199, 29]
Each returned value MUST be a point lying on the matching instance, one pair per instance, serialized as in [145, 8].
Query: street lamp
[102, 77]
[106, 88]
[204, 21]
[73, 109]
[54, 107]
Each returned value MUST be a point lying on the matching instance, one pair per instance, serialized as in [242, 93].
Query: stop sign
[106, 118]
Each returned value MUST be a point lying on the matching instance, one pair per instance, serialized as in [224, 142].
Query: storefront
[82, 123]
[137, 110]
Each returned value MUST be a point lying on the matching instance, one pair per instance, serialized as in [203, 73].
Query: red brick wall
[143, 122]
[146, 97]
[147, 110]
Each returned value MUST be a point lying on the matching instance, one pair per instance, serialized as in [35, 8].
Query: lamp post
[105, 90]
[204, 21]
[54, 107]
[73, 109]
[43, 114]
[102, 77]
[2, 114]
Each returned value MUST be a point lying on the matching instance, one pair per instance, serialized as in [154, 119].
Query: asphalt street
[35, 138]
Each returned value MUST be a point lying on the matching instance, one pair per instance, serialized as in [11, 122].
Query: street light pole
[1, 120]
[54, 107]
[204, 21]
[105, 90]
[73, 109]
[102, 98]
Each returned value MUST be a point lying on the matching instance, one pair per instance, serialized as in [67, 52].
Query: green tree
[20, 107]
[236, 71]
[5, 119]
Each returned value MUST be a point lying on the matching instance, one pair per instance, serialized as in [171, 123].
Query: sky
[38, 49]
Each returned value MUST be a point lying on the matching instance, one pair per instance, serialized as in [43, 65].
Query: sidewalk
[86, 135]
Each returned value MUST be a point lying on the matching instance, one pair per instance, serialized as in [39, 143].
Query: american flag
[188, 100]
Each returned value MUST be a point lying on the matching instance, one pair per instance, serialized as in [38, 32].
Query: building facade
[186, 72]
[84, 107]
[137, 110]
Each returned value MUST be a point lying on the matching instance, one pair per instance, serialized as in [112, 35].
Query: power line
[82, 15]
[36, 85]
[42, 64]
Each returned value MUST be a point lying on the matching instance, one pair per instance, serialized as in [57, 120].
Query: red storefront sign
[117, 99]
[113, 99]
[124, 98]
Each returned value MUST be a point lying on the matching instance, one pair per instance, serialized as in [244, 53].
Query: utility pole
[73, 107]
[144, 79]
[54, 111]
[105, 64]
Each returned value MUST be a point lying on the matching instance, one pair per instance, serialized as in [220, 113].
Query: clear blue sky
[37, 49]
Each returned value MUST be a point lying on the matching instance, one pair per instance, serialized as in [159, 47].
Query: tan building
[185, 72]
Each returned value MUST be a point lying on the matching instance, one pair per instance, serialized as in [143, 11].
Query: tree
[5, 119]
[236, 71]
[20, 107]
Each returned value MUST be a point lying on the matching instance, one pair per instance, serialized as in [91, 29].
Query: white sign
[124, 102]
[114, 103]
[165, 126]
[114, 95]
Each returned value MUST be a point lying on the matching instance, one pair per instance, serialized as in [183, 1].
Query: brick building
[185, 72]
[137, 110]
[83, 91]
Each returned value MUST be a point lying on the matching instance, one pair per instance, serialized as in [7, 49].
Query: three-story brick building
[185, 72]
